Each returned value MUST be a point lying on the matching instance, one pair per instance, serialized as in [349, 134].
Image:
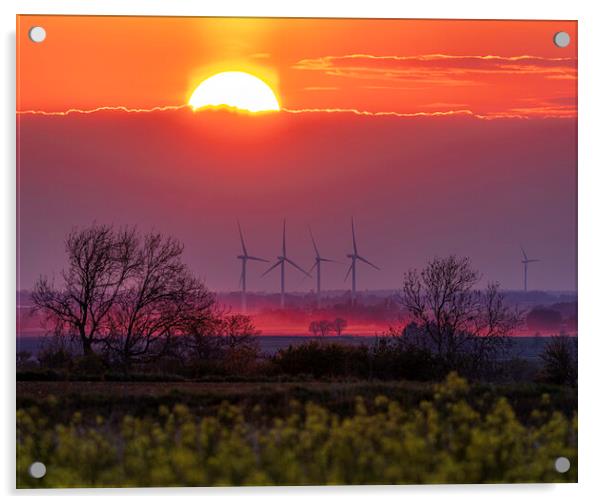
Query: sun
[239, 90]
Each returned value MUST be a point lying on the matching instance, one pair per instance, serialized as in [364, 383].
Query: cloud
[106, 108]
[547, 110]
[441, 69]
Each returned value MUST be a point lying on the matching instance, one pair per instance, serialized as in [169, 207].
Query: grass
[116, 399]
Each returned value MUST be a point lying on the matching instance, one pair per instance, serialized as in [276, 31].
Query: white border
[590, 281]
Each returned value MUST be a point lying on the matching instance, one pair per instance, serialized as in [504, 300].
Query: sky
[438, 137]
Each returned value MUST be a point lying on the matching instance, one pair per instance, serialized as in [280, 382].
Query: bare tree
[321, 327]
[228, 340]
[161, 300]
[100, 260]
[339, 325]
[454, 317]
[314, 327]
[325, 327]
[238, 331]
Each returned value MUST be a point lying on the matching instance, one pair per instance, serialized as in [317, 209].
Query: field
[197, 434]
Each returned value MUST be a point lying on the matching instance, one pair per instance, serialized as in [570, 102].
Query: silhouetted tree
[454, 318]
[314, 327]
[100, 260]
[129, 292]
[222, 341]
[325, 327]
[160, 301]
[321, 327]
[239, 340]
[339, 325]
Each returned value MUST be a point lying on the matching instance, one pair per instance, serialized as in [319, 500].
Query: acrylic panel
[262, 251]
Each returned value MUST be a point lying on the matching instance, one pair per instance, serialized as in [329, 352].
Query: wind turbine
[244, 257]
[354, 258]
[526, 262]
[317, 266]
[281, 261]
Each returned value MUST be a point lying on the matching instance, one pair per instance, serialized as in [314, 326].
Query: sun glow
[239, 90]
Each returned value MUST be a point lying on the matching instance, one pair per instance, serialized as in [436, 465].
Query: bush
[388, 358]
[55, 358]
[394, 359]
[91, 365]
[322, 360]
[560, 361]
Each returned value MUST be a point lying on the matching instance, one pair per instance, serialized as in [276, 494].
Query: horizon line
[358, 112]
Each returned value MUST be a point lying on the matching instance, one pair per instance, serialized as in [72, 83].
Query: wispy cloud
[108, 108]
[445, 113]
[440, 69]
[527, 112]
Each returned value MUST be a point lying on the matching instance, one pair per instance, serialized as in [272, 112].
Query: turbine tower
[317, 266]
[526, 262]
[244, 257]
[281, 261]
[354, 258]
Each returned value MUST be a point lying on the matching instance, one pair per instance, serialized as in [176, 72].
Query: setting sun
[239, 90]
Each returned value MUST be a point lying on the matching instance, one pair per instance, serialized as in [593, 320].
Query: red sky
[498, 172]
[411, 66]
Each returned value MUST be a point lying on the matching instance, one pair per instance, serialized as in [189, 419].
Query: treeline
[131, 305]
[553, 319]
[326, 327]
[387, 358]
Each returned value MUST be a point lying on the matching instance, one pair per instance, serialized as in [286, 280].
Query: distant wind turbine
[317, 266]
[354, 258]
[281, 261]
[526, 262]
[244, 257]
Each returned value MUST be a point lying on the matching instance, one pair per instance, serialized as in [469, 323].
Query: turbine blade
[275, 265]
[353, 234]
[253, 258]
[368, 262]
[284, 238]
[323, 259]
[242, 240]
[314, 266]
[348, 271]
[296, 266]
[314, 242]
[524, 253]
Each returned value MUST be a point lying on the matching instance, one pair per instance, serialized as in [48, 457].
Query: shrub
[89, 365]
[322, 359]
[387, 359]
[393, 358]
[559, 358]
[58, 358]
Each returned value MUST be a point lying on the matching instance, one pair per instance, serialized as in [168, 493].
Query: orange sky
[407, 66]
